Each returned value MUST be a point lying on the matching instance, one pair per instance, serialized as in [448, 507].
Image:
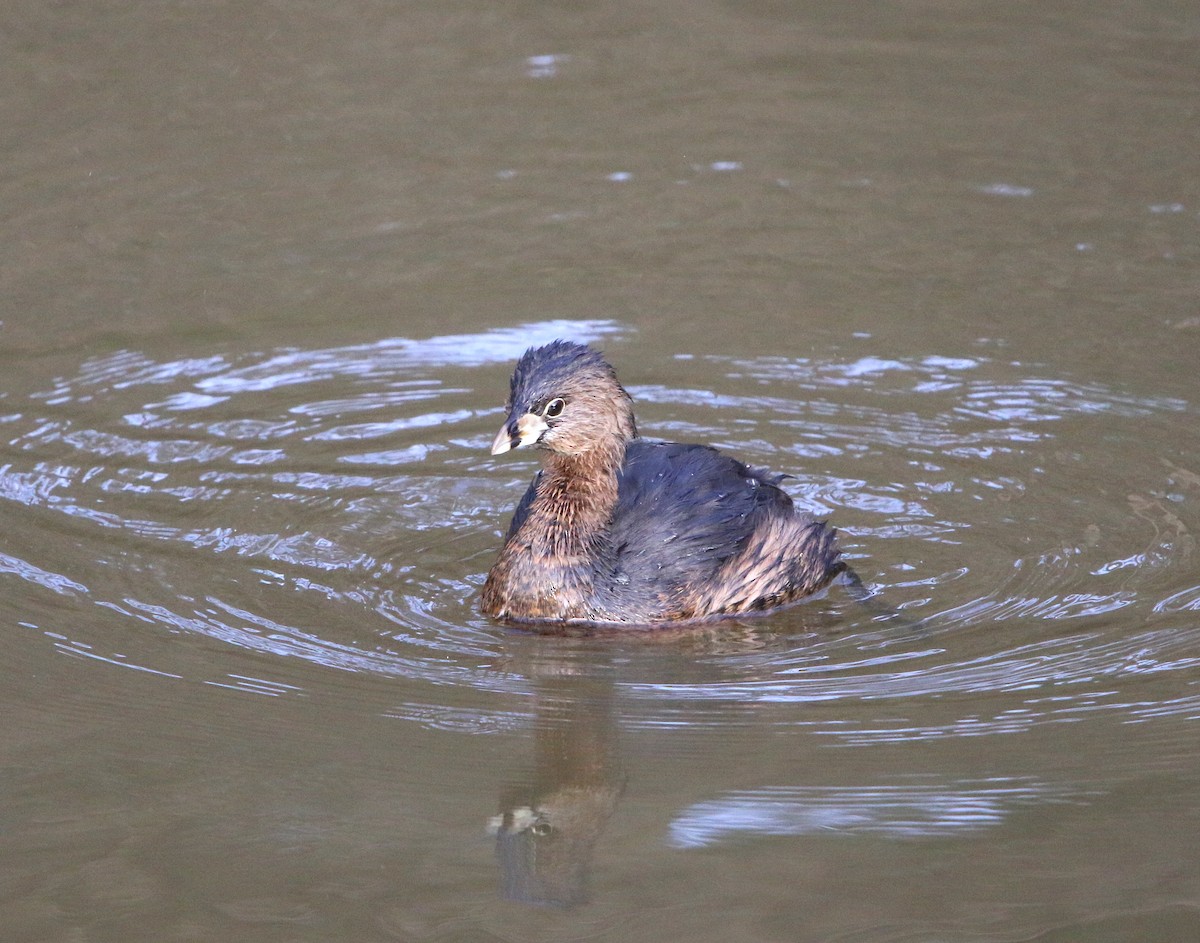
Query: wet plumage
[618, 529]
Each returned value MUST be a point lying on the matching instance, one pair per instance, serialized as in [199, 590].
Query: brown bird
[616, 529]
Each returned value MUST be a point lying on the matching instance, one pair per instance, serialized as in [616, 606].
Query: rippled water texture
[267, 277]
[381, 499]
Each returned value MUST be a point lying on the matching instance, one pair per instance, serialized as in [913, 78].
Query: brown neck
[580, 492]
[547, 569]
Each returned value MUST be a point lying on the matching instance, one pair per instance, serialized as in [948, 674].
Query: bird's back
[697, 533]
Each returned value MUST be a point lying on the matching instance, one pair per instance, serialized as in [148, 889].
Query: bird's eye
[553, 408]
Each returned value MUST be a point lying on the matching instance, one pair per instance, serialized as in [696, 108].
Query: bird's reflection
[547, 830]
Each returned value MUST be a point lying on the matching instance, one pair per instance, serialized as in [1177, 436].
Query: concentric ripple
[336, 509]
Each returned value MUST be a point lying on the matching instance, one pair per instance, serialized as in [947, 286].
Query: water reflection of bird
[545, 849]
[548, 828]
[616, 529]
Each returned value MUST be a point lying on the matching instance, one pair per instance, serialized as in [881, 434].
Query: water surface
[267, 274]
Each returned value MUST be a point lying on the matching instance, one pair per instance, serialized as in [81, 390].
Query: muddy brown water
[266, 268]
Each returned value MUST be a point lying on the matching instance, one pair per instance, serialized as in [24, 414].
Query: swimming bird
[617, 529]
